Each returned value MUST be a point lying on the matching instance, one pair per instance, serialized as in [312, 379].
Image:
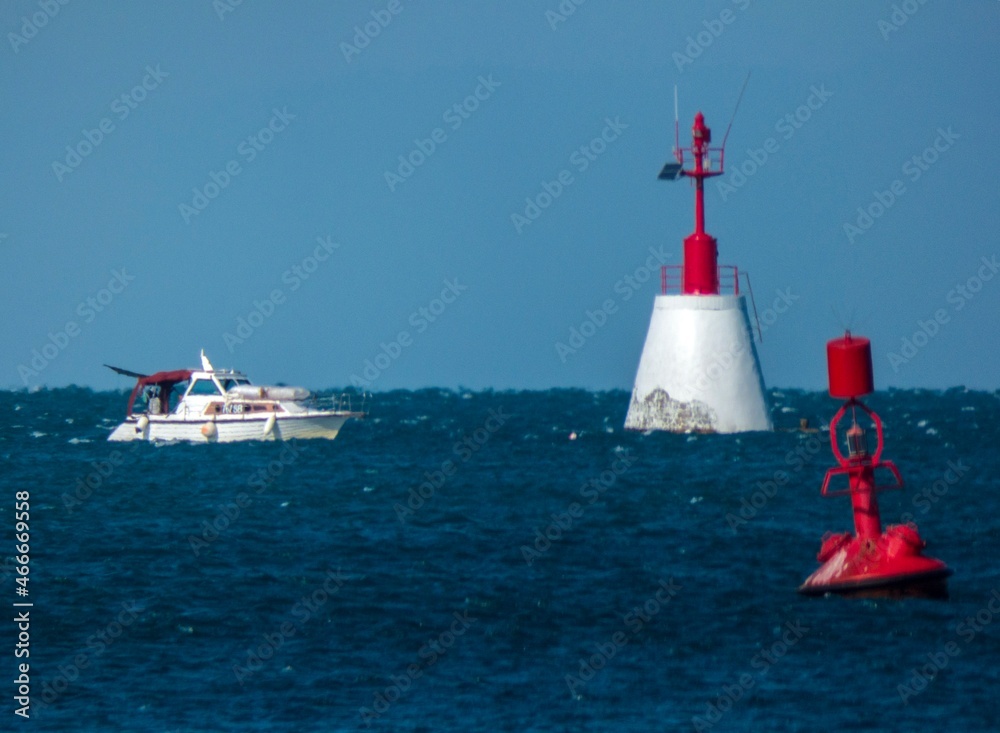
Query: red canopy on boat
[164, 380]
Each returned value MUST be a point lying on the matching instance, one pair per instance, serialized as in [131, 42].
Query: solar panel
[671, 172]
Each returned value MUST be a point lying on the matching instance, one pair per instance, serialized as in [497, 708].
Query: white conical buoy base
[699, 370]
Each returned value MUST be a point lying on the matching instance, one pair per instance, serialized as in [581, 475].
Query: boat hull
[231, 429]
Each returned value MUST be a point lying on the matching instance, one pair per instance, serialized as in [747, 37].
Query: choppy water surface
[457, 562]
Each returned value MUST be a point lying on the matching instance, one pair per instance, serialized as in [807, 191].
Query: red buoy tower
[870, 562]
[699, 370]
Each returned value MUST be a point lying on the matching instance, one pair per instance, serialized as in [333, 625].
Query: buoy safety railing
[753, 302]
[864, 462]
[713, 159]
[672, 280]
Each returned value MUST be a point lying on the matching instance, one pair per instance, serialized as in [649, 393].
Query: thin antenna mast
[677, 128]
[735, 109]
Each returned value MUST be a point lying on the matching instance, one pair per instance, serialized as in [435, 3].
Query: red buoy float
[849, 363]
[869, 562]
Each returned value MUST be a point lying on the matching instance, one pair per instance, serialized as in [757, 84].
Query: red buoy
[869, 562]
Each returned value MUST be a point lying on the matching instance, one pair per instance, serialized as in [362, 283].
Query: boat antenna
[126, 372]
[735, 109]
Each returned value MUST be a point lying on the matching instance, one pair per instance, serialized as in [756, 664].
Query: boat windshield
[229, 382]
[203, 387]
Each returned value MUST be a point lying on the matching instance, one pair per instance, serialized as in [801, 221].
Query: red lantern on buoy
[868, 562]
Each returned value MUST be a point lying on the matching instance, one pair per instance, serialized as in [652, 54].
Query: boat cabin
[162, 393]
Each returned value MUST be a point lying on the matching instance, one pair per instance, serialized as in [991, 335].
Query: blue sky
[213, 162]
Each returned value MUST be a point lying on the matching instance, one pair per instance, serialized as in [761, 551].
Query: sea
[487, 561]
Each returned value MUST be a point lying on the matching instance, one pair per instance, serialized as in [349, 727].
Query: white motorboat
[211, 405]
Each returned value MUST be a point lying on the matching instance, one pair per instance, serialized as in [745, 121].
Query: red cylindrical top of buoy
[849, 362]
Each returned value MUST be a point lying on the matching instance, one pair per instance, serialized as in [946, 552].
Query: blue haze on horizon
[547, 86]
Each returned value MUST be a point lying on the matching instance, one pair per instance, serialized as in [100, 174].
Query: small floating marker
[870, 562]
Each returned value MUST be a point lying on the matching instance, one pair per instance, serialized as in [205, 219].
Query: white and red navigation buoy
[699, 370]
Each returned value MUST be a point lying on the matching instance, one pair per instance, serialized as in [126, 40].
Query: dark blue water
[326, 597]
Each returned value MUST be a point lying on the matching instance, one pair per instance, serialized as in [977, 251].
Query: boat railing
[343, 402]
